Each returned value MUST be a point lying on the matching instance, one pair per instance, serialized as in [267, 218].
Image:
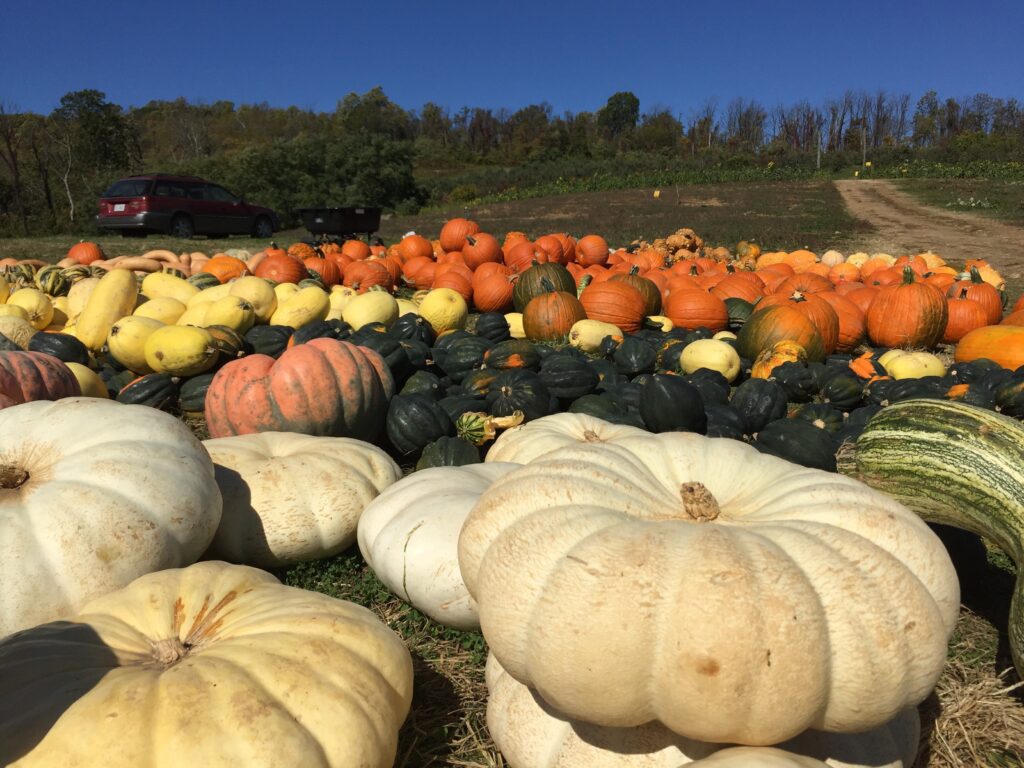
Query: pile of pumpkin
[594, 483]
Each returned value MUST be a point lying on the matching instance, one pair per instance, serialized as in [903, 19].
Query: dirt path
[905, 225]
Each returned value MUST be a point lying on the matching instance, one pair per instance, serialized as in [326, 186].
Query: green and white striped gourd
[954, 464]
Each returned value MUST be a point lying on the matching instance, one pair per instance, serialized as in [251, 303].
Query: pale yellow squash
[371, 307]
[713, 354]
[305, 306]
[112, 299]
[515, 325]
[210, 666]
[259, 293]
[180, 350]
[78, 296]
[127, 341]
[587, 335]
[89, 381]
[210, 294]
[445, 310]
[37, 306]
[164, 308]
[158, 285]
[234, 312]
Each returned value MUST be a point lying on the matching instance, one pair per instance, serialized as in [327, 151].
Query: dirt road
[906, 226]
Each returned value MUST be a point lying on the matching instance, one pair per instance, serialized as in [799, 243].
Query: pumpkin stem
[797, 296]
[170, 651]
[976, 276]
[698, 502]
[908, 275]
[12, 477]
[590, 436]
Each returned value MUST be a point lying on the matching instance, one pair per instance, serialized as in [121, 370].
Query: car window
[220, 194]
[127, 188]
[198, 192]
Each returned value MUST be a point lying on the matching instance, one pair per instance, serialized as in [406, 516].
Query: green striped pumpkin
[52, 281]
[203, 280]
[76, 273]
[954, 464]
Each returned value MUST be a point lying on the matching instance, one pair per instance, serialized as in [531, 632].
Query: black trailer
[340, 224]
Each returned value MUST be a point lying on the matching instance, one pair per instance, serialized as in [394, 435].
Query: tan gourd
[94, 494]
[678, 534]
[214, 665]
[291, 497]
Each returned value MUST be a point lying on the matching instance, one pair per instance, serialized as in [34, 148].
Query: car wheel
[263, 229]
[181, 226]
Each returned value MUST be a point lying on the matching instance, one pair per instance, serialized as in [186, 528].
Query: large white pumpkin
[409, 535]
[531, 734]
[94, 494]
[526, 442]
[291, 497]
[731, 595]
[214, 665]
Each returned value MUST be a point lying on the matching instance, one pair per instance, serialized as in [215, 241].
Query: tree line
[371, 151]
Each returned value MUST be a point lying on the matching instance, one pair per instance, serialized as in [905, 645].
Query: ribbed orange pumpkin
[650, 291]
[815, 309]
[694, 308]
[412, 246]
[852, 324]
[493, 291]
[454, 233]
[301, 251]
[805, 283]
[226, 268]
[410, 267]
[85, 252]
[844, 272]
[356, 249]
[362, 275]
[616, 303]
[551, 315]
[767, 327]
[911, 314]
[592, 249]
[1003, 344]
[481, 248]
[964, 315]
[990, 299]
[885, 277]
[738, 287]
[863, 297]
[843, 287]
[522, 254]
[281, 269]
[324, 387]
[28, 376]
[328, 270]
[456, 281]
[552, 246]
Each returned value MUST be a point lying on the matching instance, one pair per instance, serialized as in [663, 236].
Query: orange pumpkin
[852, 324]
[281, 269]
[226, 268]
[454, 233]
[766, 327]
[356, 249]
[522, 254]
[86, 252]
[592, 249]
[550, 316]
[695, 308]
[804, 283]
[28, 376]
[1003, 344]
[412, 246]
[964, 315]
[324, 387]
[911, 314]
[492, 292]
[329, 272]
[301, 251]
[617, 303]
[456, 281]
[976, 289]
[815, 309]
[481, 248]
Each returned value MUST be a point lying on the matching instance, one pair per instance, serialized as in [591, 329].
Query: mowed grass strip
[1003, 200]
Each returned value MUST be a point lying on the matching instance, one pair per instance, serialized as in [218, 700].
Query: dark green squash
[844, 391]
[606, 408]
[412, 326]
[478, 382]
[723, 421]
[203, 280]
[414, 421]
[393, 353]
[797, 380]
[513, 353]
[419, 354]
[798, 441]
[269, 340]
[492, 326]
[519, 390]
[713, 386]
[448, 451]
[670, 404]
[228, 342]
[323, 329]
[157, 390]
[423, 383]
[1009, 397]
[758, 401]
[634, 356]
[668, 355]
[463, 356]
[6, 345]
[192, 392]
[820, 415]
[456, 404]
[63, 346]
[739, 311]
[568, 376]
[607, 374]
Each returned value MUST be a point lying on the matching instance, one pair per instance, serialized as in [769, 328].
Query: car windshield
[127, 188]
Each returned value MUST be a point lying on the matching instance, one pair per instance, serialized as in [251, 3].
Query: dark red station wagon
[181, 206]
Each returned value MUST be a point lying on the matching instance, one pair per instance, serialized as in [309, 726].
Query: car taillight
[141, 204]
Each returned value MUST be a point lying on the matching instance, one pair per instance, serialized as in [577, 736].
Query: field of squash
[523, 437]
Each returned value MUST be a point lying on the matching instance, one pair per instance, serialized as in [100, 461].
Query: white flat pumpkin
[530, 733]
[290, 497]
[526, 442]
[731, 595]
[409, 535]
[214, 665]
[94, 494]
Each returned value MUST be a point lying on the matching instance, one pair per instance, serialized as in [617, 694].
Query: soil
[904, 225]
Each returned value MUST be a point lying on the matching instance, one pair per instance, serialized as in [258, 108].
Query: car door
[204, 210]
[232, 213]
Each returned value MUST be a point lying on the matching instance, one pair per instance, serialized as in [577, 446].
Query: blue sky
[573, 55]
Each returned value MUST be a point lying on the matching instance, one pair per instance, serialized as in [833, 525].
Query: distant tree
[374, 114]
[10, 150]
[619, 115]
[659, 131]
